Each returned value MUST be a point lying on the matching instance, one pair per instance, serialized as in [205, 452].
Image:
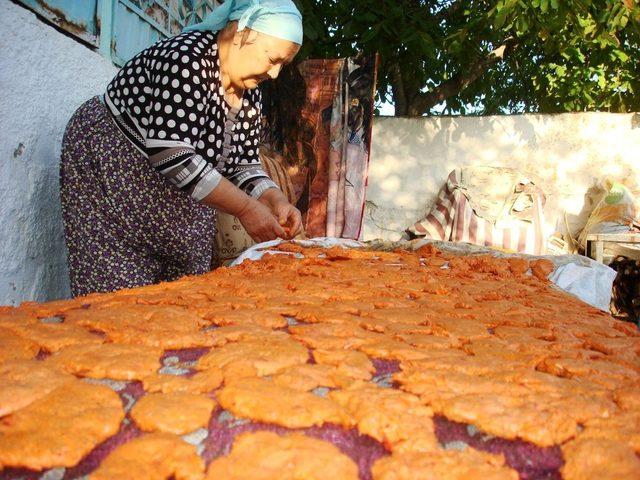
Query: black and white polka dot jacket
[169, 102]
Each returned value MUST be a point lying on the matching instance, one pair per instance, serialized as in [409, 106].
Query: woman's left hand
[288, 216]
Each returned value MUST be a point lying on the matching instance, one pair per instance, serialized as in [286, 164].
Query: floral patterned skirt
[125, 224]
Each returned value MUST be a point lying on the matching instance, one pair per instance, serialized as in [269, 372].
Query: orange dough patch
[268, 456]
[201, 382]
[24, 381]
[397, 419]
[13, 347]
[152, 456]
[292, 342]
[600, 459]
[108, 360]
[254, 357]
[150, 325]
[443, 464]
[177, 412]
[264, 401]
[59, 429]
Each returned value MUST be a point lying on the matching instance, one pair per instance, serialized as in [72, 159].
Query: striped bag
[453, 218]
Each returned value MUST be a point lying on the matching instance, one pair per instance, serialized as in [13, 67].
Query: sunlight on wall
[565, 154]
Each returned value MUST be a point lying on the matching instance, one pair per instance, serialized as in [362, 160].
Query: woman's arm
[256, 217]
[249, 175]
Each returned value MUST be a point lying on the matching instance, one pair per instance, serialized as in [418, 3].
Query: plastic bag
[615, 213]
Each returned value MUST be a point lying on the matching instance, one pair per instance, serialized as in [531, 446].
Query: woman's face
[257, 57]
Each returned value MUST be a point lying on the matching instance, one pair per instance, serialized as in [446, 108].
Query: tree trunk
[417, 103]
[398, 91]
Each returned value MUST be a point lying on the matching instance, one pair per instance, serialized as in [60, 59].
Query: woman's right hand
[259, 222]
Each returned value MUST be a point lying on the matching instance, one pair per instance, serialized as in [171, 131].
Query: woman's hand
[268, 218]
[256, 217]
[287, 215]
[260, 223]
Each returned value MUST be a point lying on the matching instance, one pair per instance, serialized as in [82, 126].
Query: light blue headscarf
[278, 18]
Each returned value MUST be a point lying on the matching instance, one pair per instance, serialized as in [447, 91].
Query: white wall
[44, 77]
[411, 159]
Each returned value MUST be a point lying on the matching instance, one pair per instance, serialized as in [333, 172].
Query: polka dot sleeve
[243, 131]
[176, 116]
[169, 102]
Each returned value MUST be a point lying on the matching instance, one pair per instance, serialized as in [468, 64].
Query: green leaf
[310, 32]
[570, 54]
[522, 25]
[602, 81]
[621, 55]
[501, 17]
[544, 6]
[369, 17]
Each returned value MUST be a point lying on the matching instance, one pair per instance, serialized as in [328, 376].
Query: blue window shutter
[105, 14]
[139, 23]
[122, 28]
[79, 18]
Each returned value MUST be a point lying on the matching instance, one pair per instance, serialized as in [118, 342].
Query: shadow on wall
[429, 151]
[33, 259]
[53, 273]
[564, 154]
[45, 76]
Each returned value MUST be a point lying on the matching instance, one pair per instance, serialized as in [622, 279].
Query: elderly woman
[175, 138]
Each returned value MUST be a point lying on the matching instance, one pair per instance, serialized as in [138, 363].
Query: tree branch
[334, 41]
[447, 13]
[424, 101]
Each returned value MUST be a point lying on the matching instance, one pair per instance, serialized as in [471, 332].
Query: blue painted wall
[121, 28]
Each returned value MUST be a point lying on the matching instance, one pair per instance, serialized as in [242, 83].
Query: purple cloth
[125, 224]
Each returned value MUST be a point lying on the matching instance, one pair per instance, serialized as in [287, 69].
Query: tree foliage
[488, 57]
